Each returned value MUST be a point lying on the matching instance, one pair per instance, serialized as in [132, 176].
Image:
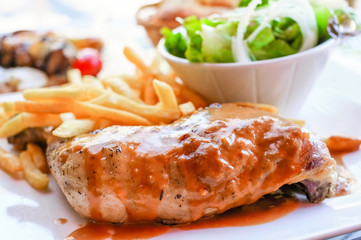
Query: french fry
[119, 86]
[9, 109]
[191, 96]
[259, 106]
[33, 175]
[74, 127]
[88, 88]
[91, 88]
[68, 92]
[132, 81]
[150, 96]
[74, 76]
[181, 90]
[156, 63]
[81, 110]
[136, 60]
[103, 123]
[67, 116]
[3, 115]
[167, 79]
[299, 122]
[21, 121]
[84, 110]
[187, 108]
[9, 162]
[13, 126]
[153, 113]
[38, 157]
[165, 94]
[50, 106]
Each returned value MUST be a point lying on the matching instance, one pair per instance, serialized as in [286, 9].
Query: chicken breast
[221, 157]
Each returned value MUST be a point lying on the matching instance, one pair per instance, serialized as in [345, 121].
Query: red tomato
[88, 62]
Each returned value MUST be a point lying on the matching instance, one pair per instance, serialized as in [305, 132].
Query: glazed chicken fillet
[221, 157]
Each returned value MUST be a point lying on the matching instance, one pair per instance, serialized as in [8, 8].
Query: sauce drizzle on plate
[61, 221]
[268, 208]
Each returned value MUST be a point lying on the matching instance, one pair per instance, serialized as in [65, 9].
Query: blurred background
[74, 17]
[111, 20]
[114, 21]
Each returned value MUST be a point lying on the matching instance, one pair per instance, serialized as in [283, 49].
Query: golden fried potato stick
[103, 123]
[156, 63]
[193, 97]
[33, 175]
[38, 157]
[150, 96]
[149, 75]
[165, 94]
[23, 120]
[137, 61]
[68, 92]
[89, 88]
[74, 127]
[9, 162]
[259, 106]
[92, 88]
[74, 76]
[8, 108]
[182, 91]
[187, 108]
[299, 122]
[3, 115]
[133, 82]
[154, 113]
[119, 86]
[81, 110]
[147, 91]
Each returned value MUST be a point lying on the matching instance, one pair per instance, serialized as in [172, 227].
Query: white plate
[334, 107]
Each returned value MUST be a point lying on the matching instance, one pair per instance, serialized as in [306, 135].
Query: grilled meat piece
[221, 157]
[30, 135]
[47, 52]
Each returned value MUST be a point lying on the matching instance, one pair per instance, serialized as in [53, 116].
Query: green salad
[256, 30]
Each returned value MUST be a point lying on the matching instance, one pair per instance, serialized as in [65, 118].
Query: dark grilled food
[218, 158]
[47, 52]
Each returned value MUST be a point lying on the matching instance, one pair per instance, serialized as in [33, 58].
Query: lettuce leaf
[217, 42]
[245, 3]
[277, 48]
[211, 41]
[281, 38]
[175, 43]
[193, 27]
[206, 41]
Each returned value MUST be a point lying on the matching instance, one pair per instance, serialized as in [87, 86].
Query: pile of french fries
[30, 164]
[150, 97]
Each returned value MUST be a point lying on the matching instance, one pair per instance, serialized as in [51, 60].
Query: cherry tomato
[88, 62]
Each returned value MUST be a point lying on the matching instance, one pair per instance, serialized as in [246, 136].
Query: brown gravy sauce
[204, 147]
[61, 221]
[268, 208]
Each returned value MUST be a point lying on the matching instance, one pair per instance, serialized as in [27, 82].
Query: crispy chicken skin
[220, 157]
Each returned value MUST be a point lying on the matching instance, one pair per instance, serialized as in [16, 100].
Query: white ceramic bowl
[284, 82]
